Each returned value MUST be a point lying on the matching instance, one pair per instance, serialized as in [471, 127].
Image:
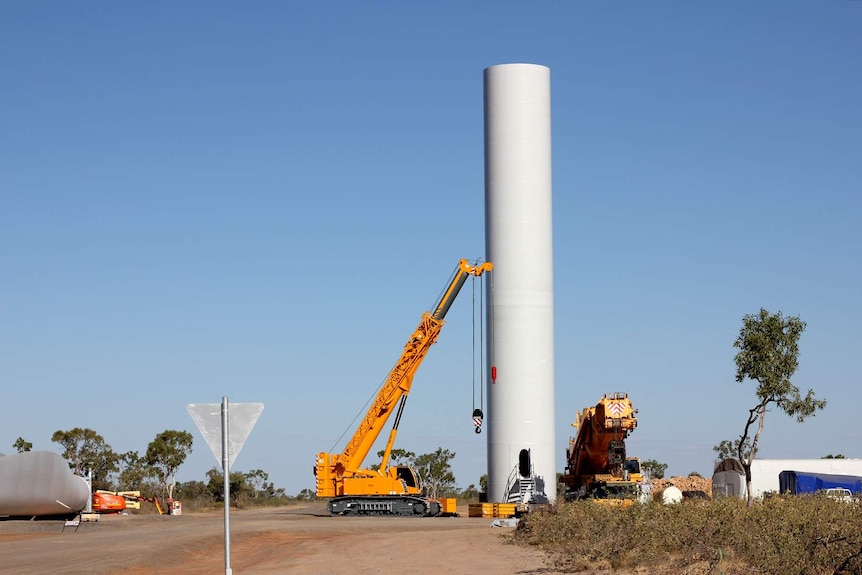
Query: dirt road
[299, 540]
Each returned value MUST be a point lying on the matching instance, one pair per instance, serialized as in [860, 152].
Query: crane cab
[407, 476]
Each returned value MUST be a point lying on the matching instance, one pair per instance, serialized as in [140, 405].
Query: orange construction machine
[596, 462]
[354, 489]
[105, 502]
[108, 502]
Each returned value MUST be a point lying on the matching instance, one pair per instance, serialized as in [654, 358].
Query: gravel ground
[299, 540]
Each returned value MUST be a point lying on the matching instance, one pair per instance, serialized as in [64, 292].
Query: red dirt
[684, 484]
[300, 540]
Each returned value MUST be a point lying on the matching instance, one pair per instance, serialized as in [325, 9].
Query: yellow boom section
[397, 384]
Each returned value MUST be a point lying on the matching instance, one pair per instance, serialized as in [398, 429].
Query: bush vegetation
[803, 535]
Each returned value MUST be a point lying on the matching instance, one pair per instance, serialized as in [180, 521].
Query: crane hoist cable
[478, 415]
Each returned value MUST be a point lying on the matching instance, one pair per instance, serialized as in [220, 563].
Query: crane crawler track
[384, 506]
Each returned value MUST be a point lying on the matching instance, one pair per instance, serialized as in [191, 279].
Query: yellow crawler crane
[355, 490]
[596, 462]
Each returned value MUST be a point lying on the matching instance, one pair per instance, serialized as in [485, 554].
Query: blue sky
[205, 199]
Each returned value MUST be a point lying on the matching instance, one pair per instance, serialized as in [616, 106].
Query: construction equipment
[388, 490]
[596, 462]
[105, 502]
[108, 502]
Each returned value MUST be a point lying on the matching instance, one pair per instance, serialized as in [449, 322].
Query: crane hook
[477, 419]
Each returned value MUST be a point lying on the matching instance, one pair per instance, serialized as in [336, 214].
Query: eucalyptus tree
[87, 451]
[165, 454]
[768, 355]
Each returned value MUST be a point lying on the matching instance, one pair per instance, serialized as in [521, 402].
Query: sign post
[225, 453]
[225, 440]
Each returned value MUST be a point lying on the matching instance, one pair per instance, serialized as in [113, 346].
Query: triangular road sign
[241, 420]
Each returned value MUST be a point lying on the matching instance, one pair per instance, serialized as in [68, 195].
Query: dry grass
[781, 536]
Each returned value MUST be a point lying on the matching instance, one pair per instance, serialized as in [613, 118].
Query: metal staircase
[520, 489]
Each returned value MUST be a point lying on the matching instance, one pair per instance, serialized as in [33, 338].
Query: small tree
[133, 472]
[768, 347]
[396, 458]
[196, 491]
[85, 450]
[22, 445]
[654, 469]
[435, 471]
[730, 449]
[165, 454]
[470, 493]
[237, 484]
[258, 479]
[399, 456]
[306, 495]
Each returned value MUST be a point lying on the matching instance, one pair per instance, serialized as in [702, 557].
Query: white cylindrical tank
[518, 237]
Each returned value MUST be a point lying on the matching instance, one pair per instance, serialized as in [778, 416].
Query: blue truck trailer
[800, 482]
